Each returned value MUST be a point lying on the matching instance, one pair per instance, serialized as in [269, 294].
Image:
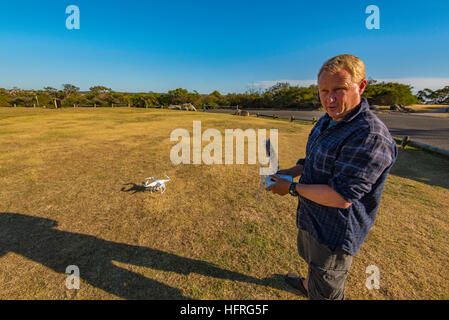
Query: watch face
[292, 189]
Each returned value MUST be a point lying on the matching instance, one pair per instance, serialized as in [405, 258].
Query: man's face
[338, 94]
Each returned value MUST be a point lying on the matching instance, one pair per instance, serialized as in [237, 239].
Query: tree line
[279, 96]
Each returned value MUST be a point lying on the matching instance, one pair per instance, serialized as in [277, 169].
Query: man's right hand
[293, 171]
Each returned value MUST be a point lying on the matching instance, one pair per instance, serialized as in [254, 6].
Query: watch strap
[292, 189]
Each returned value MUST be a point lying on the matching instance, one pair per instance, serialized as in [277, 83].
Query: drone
[155, 185]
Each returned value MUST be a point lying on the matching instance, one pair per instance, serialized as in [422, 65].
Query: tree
[70, 88]
[180, 96]
[50, 89]
[99, 95]
[278, 87]
[440, 96]
[283, 95]
[443, 95]
[154, 99]
[77, 99]
[194, 98]
[140, 100]
[99, 89]
[70, 94]
[216, 94]
[117, 98]
[51, 92]
[387, 93]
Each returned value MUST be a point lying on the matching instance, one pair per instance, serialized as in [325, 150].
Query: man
[349, 154]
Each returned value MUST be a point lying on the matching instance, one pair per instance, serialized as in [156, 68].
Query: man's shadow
[36, 239]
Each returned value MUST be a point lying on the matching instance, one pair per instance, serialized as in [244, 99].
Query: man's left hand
[280, 187]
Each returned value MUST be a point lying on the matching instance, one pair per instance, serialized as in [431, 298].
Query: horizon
[262, 86]
[206, 46]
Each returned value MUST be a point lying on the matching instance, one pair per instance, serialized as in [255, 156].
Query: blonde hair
[348, 62]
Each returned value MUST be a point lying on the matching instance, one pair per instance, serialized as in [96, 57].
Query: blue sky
[228, 46]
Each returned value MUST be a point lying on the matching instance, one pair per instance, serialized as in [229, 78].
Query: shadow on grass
[134, 187]
[422, 166]
[36, 239]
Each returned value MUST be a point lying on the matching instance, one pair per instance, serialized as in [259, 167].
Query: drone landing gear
[156, 189]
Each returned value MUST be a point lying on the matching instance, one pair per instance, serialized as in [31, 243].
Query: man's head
[341, 82]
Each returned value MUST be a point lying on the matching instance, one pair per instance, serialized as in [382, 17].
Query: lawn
[71, 194]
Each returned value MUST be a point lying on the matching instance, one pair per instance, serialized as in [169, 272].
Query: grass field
[420, 107]
[427, 107]
[71, 195]
[431, 110]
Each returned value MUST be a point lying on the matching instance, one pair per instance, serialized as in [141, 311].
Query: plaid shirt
[354, 158]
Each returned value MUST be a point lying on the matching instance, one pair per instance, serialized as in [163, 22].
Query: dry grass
[427, 107]
[420, 107]
[430, 110]
[71, 194]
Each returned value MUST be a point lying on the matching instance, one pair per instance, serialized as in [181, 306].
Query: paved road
[429, 130]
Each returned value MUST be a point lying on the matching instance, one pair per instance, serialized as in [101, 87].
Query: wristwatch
[292, 190]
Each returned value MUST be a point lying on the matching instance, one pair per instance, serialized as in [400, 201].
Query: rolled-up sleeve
[359, 164]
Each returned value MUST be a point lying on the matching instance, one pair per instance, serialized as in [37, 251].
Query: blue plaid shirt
[353, 157]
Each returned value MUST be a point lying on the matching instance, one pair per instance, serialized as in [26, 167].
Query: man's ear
[362, 86]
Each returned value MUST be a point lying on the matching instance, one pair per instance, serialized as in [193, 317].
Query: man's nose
[331, 98]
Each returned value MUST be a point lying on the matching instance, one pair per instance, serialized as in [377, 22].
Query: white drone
[155, 185]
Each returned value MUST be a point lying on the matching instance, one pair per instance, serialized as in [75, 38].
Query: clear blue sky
[224, 45]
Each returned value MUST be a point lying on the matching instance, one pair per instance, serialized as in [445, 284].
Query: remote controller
[268, 182]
